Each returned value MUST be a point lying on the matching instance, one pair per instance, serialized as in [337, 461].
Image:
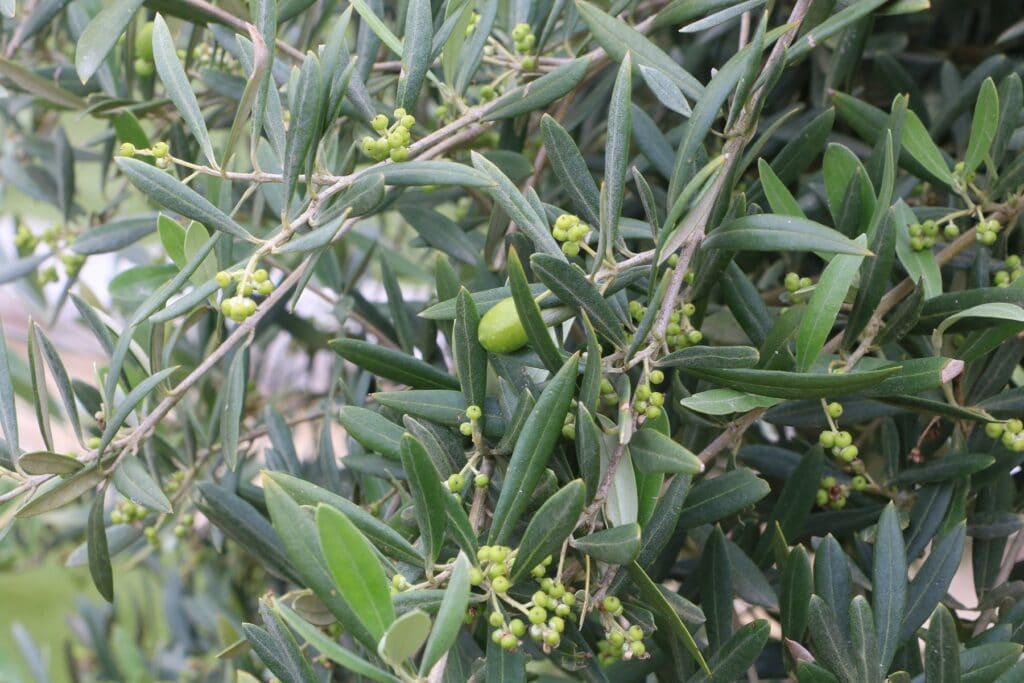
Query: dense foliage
[507, 340]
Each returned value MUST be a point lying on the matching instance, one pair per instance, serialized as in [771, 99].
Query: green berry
[500, 584]
[858, 483]
[456, 482]
[408, 121]
[127, 149]
[537, 615]
[821, 497]
[652, 412]
[827, 439]
[380, 123]
[689, 309]
[843, 439]
[552, 638]
[509, 642]
[637, 648]
[1014, 426]
[496, 619]
[657, 377]
[916, 243]
[950, 232]
[611, 604]
[694, 336]
[161, 149]
[994, 430]
[828, 482]
[476, 576]
[466, 429]
[223, 279]
[517, 627]
[474, 412]
[481, 481]
[143, 67]
[849, 454]
[265, 288]
[557, 623]
[635, 633]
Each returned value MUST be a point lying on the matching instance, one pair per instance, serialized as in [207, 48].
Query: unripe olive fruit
[500, 329]
[144, 42]
[144, 67]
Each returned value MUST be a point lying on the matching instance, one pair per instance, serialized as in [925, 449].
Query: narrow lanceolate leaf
[356, 571]
[889, 586]
[822, 309]
[46, 462]
[255, 91]
[8, 414]
[570, 284]
[178, 88]
[653, 596]
[533, 450]
[394, 365]
[571, 169]
[172, 194]
[919, 144]
[942, 649]
[653, 451]
[450, 616]
[863, 640]
[616, 153]
[617, 545]
[779, 197]
[772, 232]
[932, 580]
[231, 412]
[100, 36]
[737, 654]
[795, 587]
[43, 88]
[40, 395]
[99, 556]
[66, 491]
[470, 358]
[536, 329]
[665, 89]
[793, 385]
[716, 590]
[617, 38]
[831, 647]
[550, 526]
[538, 93]
[134, 482]
[302, 134]
[60, 378]
[427, 495]
[419, 32]
[508, 196]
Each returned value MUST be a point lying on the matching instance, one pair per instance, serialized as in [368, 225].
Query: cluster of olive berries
[524, 42]
[176, 480]
[158, 151]
[569, 426]
[240, 306]
[144, 50]
[546, 628]
[495, 563]
[680, 332]
[571, 232]
[622, 640]
[182, 527]
[924, 235]
[608, 393]
[647, 401]
[128, 512]
[1013, 270]
[831, 494]
[474, 19]
[988, 231]
[1011, 433]
[794, 283]
[25, 241]
[394, 137]
[473, 414]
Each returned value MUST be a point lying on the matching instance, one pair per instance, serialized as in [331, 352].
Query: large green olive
[500, 330]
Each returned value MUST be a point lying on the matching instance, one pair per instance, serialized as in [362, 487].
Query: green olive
[144, 42]
[500, 330]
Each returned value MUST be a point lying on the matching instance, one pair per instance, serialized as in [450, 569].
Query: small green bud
[474, 412]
